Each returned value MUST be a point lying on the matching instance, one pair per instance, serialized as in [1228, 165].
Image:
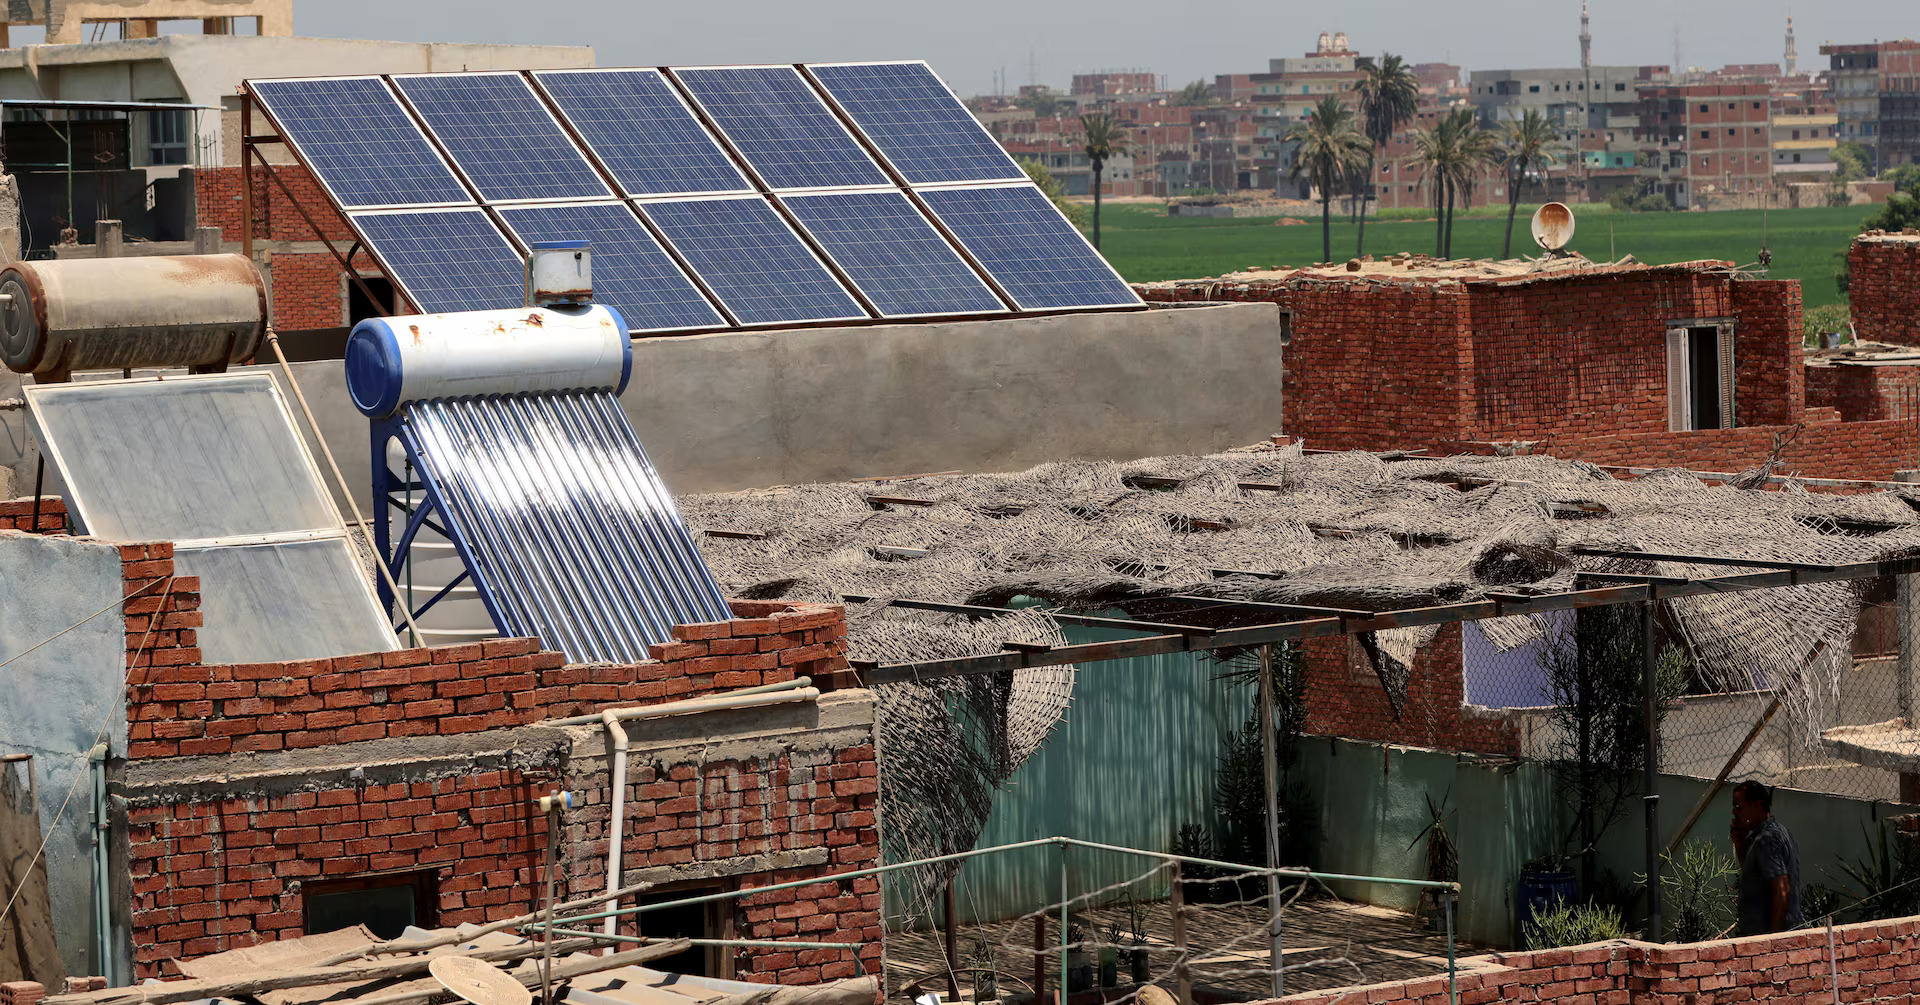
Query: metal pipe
[617, 735]
[1649, 708]
[1236, 867]
[576, 417]
[785, 685]
[102, 899]
[774, 943]
[1270, 764]
[631, 567]
[1065, 988]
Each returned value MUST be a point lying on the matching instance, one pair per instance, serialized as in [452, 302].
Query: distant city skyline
[970, 44]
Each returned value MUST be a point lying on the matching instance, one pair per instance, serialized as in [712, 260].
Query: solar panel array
[714, 197]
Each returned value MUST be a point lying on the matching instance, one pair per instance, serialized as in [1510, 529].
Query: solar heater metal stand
[388, 488]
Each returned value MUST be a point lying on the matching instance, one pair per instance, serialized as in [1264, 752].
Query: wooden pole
[1720, 780]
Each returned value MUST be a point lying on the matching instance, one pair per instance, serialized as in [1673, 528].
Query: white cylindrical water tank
[391, 361]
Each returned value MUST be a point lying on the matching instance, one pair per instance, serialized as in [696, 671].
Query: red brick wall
[191, 709]
[1387, 364]
[17, 514]
[213, 872]
[1875, 961]
[685, 813]
[1344, 698]
[1864, 450]
[218, 201]
[308, 291]
[163, 618]
[217, 875]
[1865, 393]
[1368, 365]
[1884, 289]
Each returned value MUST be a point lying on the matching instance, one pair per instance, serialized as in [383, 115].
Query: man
[1769, 863]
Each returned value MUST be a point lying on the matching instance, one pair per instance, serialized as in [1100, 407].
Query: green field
[1808, 244]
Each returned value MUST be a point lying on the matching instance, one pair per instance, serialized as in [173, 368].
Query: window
[1704, 134]
[1533, 88]
[1730, 131]
[1796, 134]
[385, 903]
[712, 920]
[167, 134]
[1756, 106]
[1286, 327]
[1700, 377]
[1796, 158]
[1619, 87]
[359, 308]
[1703, 109]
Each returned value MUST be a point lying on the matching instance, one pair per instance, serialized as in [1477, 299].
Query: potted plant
[1110, 958]
[1139, 964]
[1079, 961]
[980, 960]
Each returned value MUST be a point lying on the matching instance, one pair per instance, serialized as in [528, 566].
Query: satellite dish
[478, 981]
[1553, 226]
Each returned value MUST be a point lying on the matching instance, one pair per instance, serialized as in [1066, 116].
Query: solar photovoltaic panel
[643, 131]
[631, 273]
[916, 122]
[786, 134]
[354, 134]
[752, 260]
[502, 136]
[885, 246]
[446, 260]
[1014, 232]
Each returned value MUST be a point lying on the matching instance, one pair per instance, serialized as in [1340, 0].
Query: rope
[340, 481]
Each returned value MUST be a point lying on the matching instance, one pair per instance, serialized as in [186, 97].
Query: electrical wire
[20, 885]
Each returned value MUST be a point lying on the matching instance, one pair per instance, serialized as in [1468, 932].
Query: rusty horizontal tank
[202, 312]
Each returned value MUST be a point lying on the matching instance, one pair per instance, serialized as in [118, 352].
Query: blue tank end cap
[626, 346]
[373, 368]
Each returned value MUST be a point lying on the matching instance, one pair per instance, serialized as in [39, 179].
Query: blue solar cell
[882, 243]
[752, 260]
[361, 143]
[502, 136]
[919, 126]
[786, 133]
[642, 131]
[1028, 247]
[447, 260]
[631, 273]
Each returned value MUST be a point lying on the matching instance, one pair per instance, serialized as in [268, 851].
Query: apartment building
[1876, 91]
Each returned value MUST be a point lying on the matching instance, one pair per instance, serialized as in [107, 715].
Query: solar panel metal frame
[306, 161]
[184, 548]
[914, 193]
[800, 238]
[373, 248]
[875, 147]
[843, 273]
[739, 156]
[727, 154]
[573, 143]
[699, 287]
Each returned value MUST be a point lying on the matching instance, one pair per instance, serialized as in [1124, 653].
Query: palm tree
[1389, 97]
[1327, 149]
[1106, 137]
[1197, 93]
[1452, 152]
[1478, 149]
[1527, 144]
[1435, 150]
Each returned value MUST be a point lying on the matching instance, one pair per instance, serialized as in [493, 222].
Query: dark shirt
[1771, 852]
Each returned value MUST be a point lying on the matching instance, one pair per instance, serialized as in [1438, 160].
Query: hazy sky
[969, 42]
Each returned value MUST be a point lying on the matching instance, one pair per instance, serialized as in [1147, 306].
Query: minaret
[1793, 52]
[1586, 38]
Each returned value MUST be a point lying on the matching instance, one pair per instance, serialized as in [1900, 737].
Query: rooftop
[1424, 270]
